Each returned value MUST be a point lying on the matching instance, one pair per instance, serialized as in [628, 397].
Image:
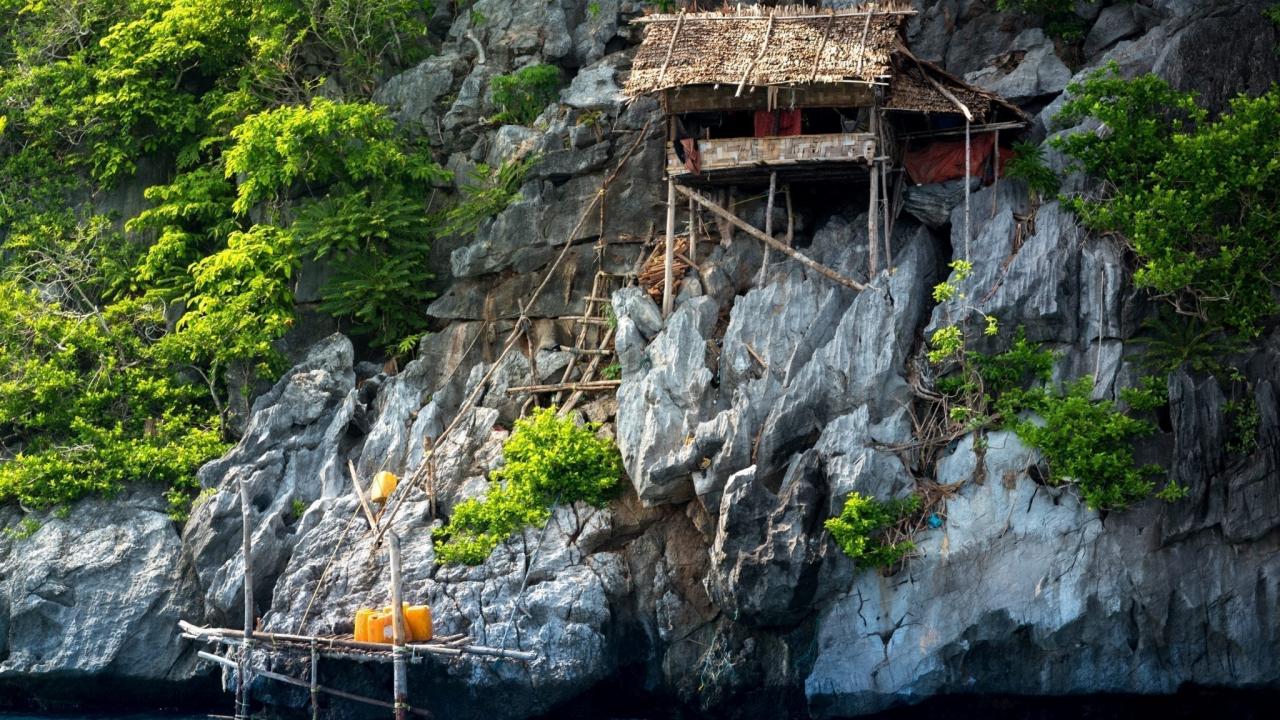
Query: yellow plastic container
[384, 483]
[362, 624]
[379, 628]
[418, 618]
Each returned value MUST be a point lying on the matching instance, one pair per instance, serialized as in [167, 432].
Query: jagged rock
[595, 87]
[89, 602]
[932, 204]
[1029, 70]
[413, 96]
[291, 450]
[1115, 23]
[1194, 57]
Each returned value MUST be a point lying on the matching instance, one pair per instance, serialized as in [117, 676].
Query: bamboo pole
[968, 178]
[315, 682]
[768, 224]
[327, 646]
[364, 503]
[571, 386]
[873, 242]
[883, 141]
[668, 275]
[400, 677]
[693, 233]
[319, 688]
[246, 649]
[737, 222]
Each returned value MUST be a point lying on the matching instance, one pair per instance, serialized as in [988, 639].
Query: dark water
[1193, 704]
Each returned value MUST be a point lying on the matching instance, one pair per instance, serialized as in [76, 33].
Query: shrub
[1198, 201]
[1028, 165]
[549, 460]
[490, 193]
[1089, 444]
[522, 95]
[859, 529]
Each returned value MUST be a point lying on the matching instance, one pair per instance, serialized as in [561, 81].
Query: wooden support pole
[668, 274]
[791, 218]
[768, 224]
[886, 228]
[315, 682]
[995, 182]
[399, 655]
[968, 179]
[242, 674]
[693, 233]
[570, 386]
[739, 223]
[873, 240]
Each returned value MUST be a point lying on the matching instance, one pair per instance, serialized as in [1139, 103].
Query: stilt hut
[761, 95]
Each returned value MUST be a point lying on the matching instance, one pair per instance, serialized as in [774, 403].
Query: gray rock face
[1036, 70]
[94, 598]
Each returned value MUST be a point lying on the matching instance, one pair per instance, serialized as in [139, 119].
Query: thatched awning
[921, 86]
[760, 46]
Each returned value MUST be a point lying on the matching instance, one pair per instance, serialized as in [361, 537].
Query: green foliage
[522, 95]
[1242, 419]
[1197, 200]
[297, 508]
[1089, 444]
[87, 405]
[489, 193]
[549, 460]
[1059, 17]
[23, 530]
[612, 371]
[1028, 165]
[1175, 342]
[860, 527]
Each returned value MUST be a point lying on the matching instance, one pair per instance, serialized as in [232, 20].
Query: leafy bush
[490, 193]
[549, 460]
[860, 526]
[1198, 201]
[1028, 165]
[1089, 444]
[522, 95]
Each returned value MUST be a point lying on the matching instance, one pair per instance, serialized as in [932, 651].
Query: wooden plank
[731, 153]
[648, 19]
[791, 252]
[704, 98]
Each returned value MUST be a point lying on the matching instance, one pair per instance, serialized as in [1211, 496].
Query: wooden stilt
[995, 165]
[791, 218]
[693, 232]
[873, 210]
[768, 223]
[668, 276]
[742, 225]
[885, 228]
[968, 179]
[242, 674]
[315, 682]
[399, 659]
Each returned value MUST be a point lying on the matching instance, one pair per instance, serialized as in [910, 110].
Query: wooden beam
[826, 33]
[693, 234]
[364, 503]
[662, 74]
[315, 682]
[764, 46]
[773, 242]
[873, 240]
[705, 98]
[785, 18]
[862, 44]
[571, 386]
[668, 274]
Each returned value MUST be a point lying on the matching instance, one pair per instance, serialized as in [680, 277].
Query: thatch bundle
[766, 46]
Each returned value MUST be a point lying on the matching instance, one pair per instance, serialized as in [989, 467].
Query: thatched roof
[766, 46]
[915, 84]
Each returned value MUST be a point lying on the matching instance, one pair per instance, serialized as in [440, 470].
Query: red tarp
[775, 123]
[942, 161]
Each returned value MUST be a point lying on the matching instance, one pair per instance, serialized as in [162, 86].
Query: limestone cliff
[744, 420]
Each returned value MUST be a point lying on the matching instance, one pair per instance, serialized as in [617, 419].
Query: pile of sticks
[652, 273]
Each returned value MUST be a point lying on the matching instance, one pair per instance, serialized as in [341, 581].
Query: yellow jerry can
[362, 624]
[384, 483]
[418, 618]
